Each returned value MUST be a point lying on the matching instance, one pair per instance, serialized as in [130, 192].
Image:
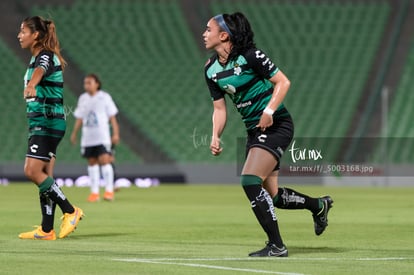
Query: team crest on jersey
[237, 70]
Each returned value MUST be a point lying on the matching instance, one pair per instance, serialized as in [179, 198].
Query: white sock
[94, 177]
[108, 176]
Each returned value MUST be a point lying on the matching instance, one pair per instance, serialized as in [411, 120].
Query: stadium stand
[150, 62]
[403, 102]
[14, 107]
[151, 65]
[14, 141]
[400, 145]
[326, 49]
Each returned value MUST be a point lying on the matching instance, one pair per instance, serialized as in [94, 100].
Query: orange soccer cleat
[38, 234]
[109, 196]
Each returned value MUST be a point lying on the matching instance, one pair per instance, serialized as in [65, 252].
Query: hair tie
[220, 20]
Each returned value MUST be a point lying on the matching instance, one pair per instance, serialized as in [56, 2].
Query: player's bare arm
[219, 123]
[115, 130]
[280, 90]
[30, 90]
[76, 127]
[47, 129]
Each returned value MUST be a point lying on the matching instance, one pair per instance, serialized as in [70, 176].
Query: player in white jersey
[94, 112]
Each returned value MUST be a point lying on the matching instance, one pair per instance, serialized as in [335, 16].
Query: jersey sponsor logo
[262, 138]
[34, 148]
[243, 104]
[261, 55]
[230, 89]
[44, 61]
[271, 65]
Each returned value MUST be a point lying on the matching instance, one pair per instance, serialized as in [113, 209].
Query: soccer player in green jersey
[257, 88]
[43, 92]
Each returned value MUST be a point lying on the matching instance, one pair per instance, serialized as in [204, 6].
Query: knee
[33, 173]
[104, 159]
[92, 161]
[29, 172]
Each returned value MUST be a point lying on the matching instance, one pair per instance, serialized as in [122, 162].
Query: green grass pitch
[209, 229]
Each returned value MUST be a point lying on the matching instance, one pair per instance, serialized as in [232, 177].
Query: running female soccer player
[43, 92]
[94, 112]
[257, 88]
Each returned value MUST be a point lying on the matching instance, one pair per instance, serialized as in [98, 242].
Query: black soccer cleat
[270, 250]
[320, 220]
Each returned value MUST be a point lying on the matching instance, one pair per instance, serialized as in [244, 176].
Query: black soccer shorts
[95, 151]
[275, 139]
[42, 147]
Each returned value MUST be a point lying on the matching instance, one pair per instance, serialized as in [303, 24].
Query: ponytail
[47, 38]
[241, 36]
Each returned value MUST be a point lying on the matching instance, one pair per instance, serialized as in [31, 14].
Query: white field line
[168, 262]
[265, 258]
[387, 259]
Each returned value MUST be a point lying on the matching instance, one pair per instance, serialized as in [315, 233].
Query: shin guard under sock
[287, 198]
[263, 208]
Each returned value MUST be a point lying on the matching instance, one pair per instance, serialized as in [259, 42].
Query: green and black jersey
[46, 112]
[245, 80]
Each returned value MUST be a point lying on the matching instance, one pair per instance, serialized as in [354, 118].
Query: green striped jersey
[46, 112]
[245, 81]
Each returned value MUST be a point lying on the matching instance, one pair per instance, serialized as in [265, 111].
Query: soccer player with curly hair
[257, 88]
